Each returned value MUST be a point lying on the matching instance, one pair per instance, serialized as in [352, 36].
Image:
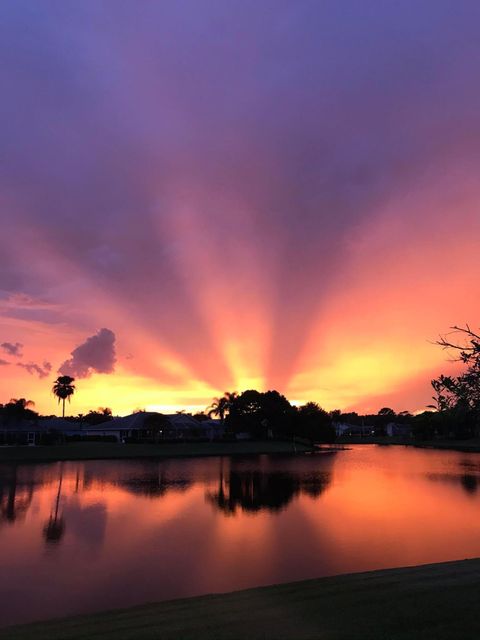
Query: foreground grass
[430, 602]
[114, 451]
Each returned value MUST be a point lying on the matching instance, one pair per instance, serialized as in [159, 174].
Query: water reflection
[253, 491]
[15, 496]
[55, 526]
[154, 484]
[469, 482]
[178, 528]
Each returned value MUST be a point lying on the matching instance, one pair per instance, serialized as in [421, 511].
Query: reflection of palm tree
[55, 527]
[63, 388]
[15, 503]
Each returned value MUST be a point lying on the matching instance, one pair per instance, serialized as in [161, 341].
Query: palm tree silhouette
[221, 406]
[19, 409]
[63, 388]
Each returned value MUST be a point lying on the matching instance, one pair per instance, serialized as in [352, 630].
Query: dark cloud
[95, 355]
[12, 348]
[4, 363]
[36, 369]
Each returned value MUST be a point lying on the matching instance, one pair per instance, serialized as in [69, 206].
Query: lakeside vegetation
[430, 601]
[452, 421]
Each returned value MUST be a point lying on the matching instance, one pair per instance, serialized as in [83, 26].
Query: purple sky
[204, 179]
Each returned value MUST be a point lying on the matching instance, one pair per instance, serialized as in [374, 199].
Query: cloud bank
[95, 355]
[41, 371]
[12, 348]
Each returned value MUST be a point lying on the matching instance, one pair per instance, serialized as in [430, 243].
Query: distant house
[36, 431]
[145, 426]
[184, 426]
[394, 429]
[19, 432]
[148, 426]
[345, 429]
[66, 427]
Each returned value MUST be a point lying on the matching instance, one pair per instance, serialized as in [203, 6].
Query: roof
[179, 421]
[60, 424]
[133, 421]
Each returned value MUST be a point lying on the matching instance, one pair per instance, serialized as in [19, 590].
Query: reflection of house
[344, 429]
[147, 426]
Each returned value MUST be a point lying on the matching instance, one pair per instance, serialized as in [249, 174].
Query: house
[144, 426]
[345, 429]
[185, 426]
[35, 431]
[19, 432]
[148, 425]
[394, 429]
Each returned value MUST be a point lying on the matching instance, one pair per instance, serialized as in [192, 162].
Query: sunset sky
[199, 195]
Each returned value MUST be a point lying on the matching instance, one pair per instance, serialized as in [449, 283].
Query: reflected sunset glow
[188, 527]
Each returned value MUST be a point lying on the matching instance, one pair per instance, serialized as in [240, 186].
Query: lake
[84, 536]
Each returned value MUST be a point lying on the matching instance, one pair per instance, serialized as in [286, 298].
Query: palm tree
[63, 388]
[221, 406]
[22, 402]
[19, 409]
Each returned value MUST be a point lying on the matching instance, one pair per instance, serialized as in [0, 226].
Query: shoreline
[113, 451]
[427, 601]
[77, 451]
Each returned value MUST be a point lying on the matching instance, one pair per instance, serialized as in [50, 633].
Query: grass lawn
[430, 602]
[114, 451]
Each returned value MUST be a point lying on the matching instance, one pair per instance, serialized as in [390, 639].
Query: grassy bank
[114, 451]
[437, 601]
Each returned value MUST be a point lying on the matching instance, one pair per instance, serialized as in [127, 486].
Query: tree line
[455, 412]
[269, 414]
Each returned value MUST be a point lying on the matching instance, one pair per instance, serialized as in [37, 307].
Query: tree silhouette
[457, 398]
[221, 406]
[314, 423]
[18, 409]
[386, 411]
[63, 388]
[261, 414]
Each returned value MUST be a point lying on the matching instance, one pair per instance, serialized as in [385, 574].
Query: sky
[199, 196]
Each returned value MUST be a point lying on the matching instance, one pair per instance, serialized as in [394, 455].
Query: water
[84, 536]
